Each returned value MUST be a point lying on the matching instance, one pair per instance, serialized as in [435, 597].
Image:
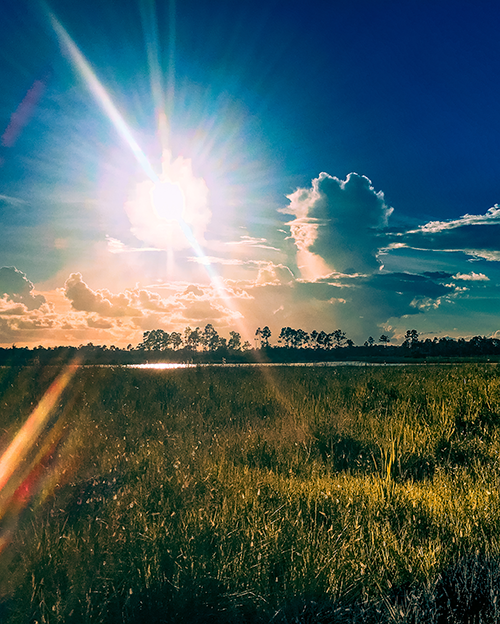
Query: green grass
[262, 494]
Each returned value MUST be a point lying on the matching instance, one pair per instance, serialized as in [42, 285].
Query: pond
[173, 365]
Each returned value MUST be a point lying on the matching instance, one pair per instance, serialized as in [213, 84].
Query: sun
[172, 211]
[168, 200]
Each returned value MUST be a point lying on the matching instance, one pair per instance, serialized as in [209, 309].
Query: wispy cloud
[13, 201]
[251, 241]
[116, 246]
[474, 235]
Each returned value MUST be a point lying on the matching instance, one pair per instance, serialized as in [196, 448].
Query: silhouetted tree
[322, 340]
[300, 338]
[384, 339]
[154, 340]
[234, 342]
[370, 342]
[175, 340]
[192, 338]
[265, 334]
[328, 341]
[286, 336]
[411, 338]
[339, 338]
[210, 339]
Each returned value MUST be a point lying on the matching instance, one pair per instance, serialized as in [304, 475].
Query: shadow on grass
[346, 453]
[469, 591]
[466, 592]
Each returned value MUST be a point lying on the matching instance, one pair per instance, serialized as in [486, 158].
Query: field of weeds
[256, 495]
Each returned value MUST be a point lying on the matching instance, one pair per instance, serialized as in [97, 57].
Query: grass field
[258, 495]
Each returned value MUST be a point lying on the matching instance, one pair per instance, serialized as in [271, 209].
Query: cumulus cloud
[150, 300]
[339, 222]
[101, 301]
[471, 277]
[10, 308]
[274, 274]
[17, 287]
[99, 323]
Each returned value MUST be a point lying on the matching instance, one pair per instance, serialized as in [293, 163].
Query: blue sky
[315, 165]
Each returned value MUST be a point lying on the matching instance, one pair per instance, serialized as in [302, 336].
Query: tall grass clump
[262, 494]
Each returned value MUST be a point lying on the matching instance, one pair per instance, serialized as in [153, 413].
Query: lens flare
[168, 197]
[23, 464]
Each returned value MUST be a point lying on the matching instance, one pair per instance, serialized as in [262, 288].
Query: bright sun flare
[168, 200]
[171, 211]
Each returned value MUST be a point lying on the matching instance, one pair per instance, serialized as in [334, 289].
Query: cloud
[168, 213]
[192, 292]
[492, 215]
[361, 305]
[18, 288]
[150, 300]
[98, 323]
[339, 221]
[11, 308]
[251, 241]
[274, 274]
[474, 235]
[116, 246]
[101, 301]
[12, 201]
[471, 277]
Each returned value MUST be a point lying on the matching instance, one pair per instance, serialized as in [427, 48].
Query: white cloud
[471, 277]
[273, 274]
[338, 222]
[251, 241]
[116, 246]
[477, 236]
[492, 215]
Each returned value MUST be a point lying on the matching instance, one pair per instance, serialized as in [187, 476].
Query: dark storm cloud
[364, 305]
[18, 288]
[437, 275]
[412, 286]
[408, 283]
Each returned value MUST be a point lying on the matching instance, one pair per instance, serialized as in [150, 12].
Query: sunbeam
[166, 195]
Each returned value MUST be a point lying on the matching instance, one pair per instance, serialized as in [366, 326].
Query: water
[174, 365]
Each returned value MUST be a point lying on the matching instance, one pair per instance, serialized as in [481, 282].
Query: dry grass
[259, 495]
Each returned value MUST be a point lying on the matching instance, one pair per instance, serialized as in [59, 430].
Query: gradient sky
[319, 165]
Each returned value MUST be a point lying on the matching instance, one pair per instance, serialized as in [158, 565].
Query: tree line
[206, 345]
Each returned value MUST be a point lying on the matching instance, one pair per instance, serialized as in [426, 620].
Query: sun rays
[169, 210]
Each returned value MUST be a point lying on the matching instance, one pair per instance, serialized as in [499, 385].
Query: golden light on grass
[23, 463]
